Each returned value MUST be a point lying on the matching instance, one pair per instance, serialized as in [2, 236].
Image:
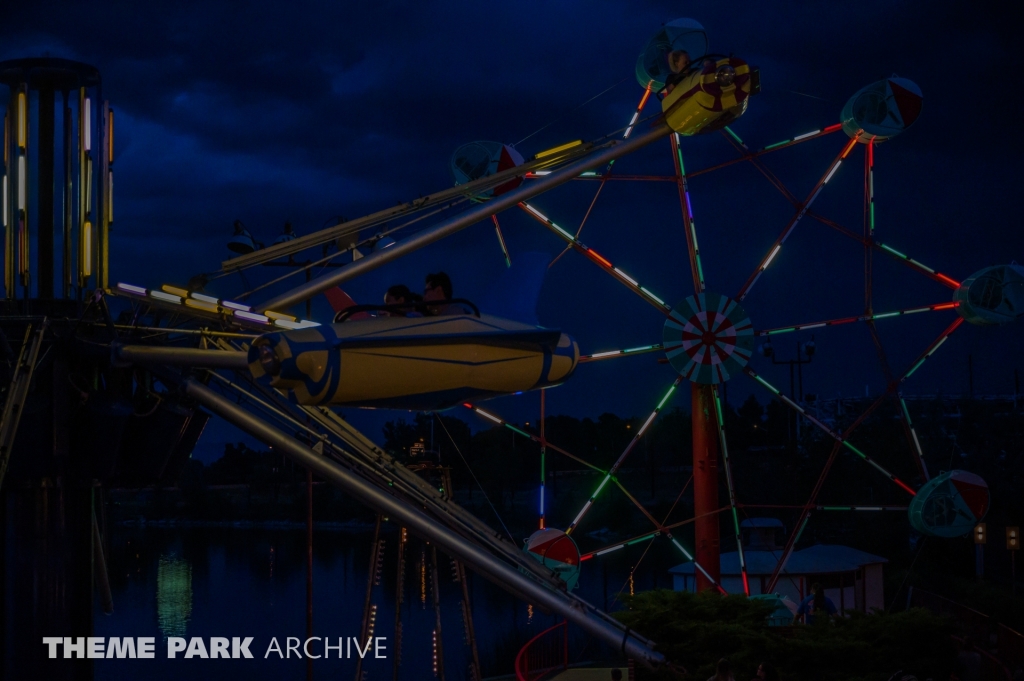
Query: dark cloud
[271, 112]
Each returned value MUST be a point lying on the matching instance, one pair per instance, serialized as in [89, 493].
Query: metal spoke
[801, 211]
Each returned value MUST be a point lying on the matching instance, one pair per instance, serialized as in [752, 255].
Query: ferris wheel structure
[708, 337]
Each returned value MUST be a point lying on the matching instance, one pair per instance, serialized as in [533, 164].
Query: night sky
[268, 112]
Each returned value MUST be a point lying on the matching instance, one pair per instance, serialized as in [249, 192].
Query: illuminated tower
[57, 179]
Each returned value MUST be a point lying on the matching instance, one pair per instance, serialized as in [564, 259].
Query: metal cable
[477, 481]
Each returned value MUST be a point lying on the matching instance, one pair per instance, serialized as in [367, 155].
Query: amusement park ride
[276, 376]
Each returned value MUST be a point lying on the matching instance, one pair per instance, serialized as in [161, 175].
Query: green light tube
[855, 450]
[734, 136]
[679, 155]
[667, 395]
[564, 233]
[652, 535]
[802, 527]
[893, 251]
[764, 383]
[521, 432]
[652, 296]
[916, 367]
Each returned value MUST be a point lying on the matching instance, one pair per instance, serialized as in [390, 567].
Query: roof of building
[819, 559]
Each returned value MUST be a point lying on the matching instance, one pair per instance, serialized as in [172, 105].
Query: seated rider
[399, 294]
[439, 287]
[678, 63]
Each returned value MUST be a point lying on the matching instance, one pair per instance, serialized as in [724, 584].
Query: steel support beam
[460, 222]
[195, 357]
[494, 569]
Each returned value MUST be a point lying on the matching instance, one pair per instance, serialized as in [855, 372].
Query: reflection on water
[210, 582]
[173, 595]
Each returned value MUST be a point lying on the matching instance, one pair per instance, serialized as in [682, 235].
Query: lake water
[237, 582]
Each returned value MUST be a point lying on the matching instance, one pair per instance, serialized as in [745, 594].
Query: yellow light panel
[175, 290]
[561, 147]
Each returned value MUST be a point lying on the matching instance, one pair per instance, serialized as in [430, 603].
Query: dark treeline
[773, 465]
[496, 474]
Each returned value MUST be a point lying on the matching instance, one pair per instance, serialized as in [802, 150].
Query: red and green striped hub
[708, 338]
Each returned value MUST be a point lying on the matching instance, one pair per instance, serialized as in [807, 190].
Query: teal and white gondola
[476, 160]
[950, 505]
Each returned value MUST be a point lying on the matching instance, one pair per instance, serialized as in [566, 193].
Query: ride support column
[705, 485]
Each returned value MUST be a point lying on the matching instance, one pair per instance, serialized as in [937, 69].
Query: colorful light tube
[22, 123]
[252, 317]
[619, 545]
[22, 183]
[597, 356]
[913, 436]
[720, 422]
[622, 457]
[598, 259]
[87, 127]
[698, 565]
[932, 348]
[174, 290]
[166, 297]
[200, 301]
[636, 114]
[801, 138]
[87, 248]
[787, 552]
[280, 316]
[501, 241]
[948, 281]
[693, 250]
[836, 436]
[801, 211]
[860, 318]
[871, 186]
[554, 150]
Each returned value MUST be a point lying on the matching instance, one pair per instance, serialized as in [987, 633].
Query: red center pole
[705, 485]
[704, 424]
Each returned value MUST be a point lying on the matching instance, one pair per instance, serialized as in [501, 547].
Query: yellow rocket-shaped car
[711, 95]
[417, 363]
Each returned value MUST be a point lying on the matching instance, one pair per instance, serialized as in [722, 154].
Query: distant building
[851, 578]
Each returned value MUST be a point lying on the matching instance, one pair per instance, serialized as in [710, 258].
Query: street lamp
[804, 355]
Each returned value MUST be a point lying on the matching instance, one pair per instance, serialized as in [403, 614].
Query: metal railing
[544, 653]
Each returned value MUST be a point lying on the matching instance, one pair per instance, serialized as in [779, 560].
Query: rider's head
[678, 60]
[437, 287]
[399, 293]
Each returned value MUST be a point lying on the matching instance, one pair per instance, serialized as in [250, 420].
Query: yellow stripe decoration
[554, 150]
